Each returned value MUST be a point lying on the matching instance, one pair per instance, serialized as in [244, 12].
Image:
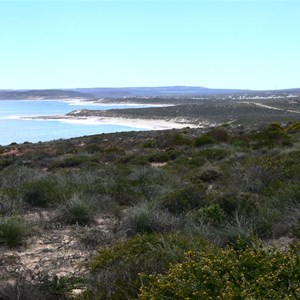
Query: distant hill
[41, 94]
[166, 91]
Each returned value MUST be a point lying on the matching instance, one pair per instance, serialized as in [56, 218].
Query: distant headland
[128, 92]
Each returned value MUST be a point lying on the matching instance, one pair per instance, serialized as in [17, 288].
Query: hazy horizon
[138, 87]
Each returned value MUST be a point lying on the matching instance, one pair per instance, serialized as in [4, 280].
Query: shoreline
[93, 102]
[147, 124]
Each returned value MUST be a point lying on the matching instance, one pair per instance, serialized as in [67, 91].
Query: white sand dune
[147, 124]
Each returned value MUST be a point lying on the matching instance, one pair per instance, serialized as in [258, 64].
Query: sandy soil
[52, 250]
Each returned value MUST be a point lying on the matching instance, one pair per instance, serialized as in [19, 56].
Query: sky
[215, 44]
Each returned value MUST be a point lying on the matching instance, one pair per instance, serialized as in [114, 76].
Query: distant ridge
[164, 91]
[157, 91]
[41, 94]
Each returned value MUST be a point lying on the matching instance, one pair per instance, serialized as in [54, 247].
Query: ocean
[13, 128]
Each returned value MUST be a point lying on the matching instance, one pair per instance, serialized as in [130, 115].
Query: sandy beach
[147, 124]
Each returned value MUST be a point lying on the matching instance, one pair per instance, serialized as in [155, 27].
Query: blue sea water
[13, 128]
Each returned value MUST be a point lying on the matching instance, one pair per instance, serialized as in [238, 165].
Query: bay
[13, 128]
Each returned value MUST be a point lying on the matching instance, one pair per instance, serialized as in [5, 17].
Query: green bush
[115, 270]
[293, 127]
[274, 127]
[6, 161]
[42, 193]
[203, 140]
[148, 144]
[113, 153]
[235, 201]
[121, 190]
[175, 139]
[228, 274]
[159, 157]
[143, 218]
[209, 174]
[73, 161]
[13, 230]
[212, 154]
[75, 211]
[212, 214]
[185, 199]
[270, 137]
[218, 134]
[10, 203]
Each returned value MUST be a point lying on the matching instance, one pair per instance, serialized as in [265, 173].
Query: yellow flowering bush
[229, 274]
[115, 270]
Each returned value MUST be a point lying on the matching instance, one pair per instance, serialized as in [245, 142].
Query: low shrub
[10, 203]
[185, 199]
[92, 148]
[73, 161]
[94, 237]
[46, 289]
[143, 218]
[113, 153]
[175, 139]
[148, 144]
[203, 140]
[75, 211]
[209, 174]
[218, 134]
[212, 214]
[293, 127]
[121, 190]
[115, 270]
[6, 161]
[270, 137]
[159, 157]
[24, 290]
[231, 202]
[244, 273]
[213, 154]
[42, 193]
[13, 230]
[296, 230]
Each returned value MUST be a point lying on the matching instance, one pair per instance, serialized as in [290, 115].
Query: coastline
[147, 124]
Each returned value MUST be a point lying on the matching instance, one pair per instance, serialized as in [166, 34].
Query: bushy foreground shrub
[12, 230]
[242, 273]
[115, 270]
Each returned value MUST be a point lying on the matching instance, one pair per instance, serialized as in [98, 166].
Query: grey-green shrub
[143, 218]
[75, 211]
[13, 230]
[42, 193]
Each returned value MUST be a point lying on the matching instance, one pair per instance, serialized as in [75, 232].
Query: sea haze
[14, 128]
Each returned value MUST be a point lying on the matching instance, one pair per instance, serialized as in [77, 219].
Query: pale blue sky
[216, 44]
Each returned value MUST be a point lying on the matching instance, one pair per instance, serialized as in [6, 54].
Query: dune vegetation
[179, 214]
